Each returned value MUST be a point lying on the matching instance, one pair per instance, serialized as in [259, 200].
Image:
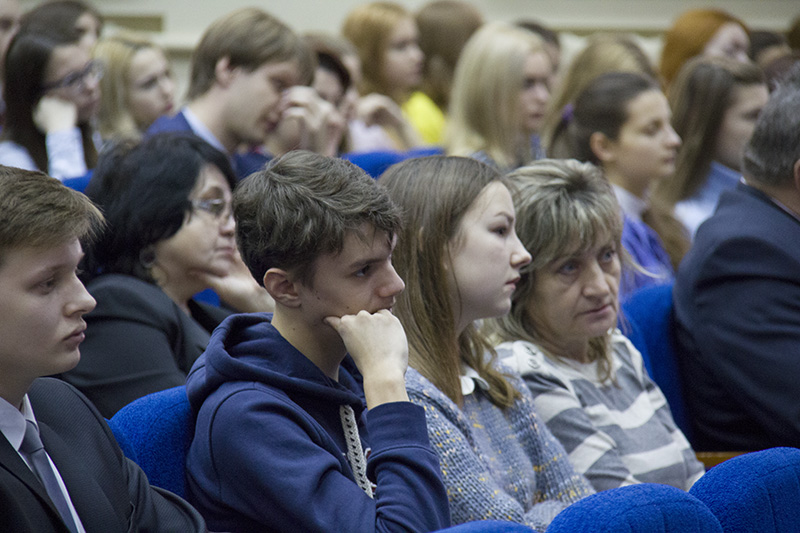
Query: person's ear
[282, 287]
[223, 71]
[602, 147]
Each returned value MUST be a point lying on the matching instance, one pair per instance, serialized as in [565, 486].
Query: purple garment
[647, 250]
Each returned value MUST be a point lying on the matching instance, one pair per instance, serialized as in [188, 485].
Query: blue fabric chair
[644, 508]
[375, 163]
[650, 326]
[79, 183]
[155, 431]
[757, 492]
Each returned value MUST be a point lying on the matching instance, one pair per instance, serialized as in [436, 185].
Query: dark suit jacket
[737, 310]
[110, 493]
[138, 341]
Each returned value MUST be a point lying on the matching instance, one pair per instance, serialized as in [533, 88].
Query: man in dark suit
[737, 296]
[60, 467]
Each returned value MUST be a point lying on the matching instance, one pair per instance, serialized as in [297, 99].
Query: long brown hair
[434, 193]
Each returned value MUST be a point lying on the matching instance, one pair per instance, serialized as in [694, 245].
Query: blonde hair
[604, 52]
[116, 53]
[484, 108]
[369, 27]
[563, 207]
[434, 193]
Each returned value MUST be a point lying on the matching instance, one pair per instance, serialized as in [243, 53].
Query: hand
[238, 288]
[55, 114]
[318, 126]
[377, 344]
[379, 109]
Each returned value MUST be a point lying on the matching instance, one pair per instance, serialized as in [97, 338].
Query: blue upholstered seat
[155, 431]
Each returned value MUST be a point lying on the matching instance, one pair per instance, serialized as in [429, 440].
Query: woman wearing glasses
[170, 235]
[52, 96]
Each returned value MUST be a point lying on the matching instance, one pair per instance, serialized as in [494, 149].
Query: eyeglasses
[93, 70]
[216, 207]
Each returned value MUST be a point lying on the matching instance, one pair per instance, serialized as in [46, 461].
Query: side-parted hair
[687, 37]
[39, 211]
[603, 53]
[774, 149]
[369, 27]
[302, 205]
[445, 26]
[26, 61]
[143, 190]
[434, 193]
[563, 208]
[58, 18]
[484, 103]
[249, 38]
[116, 53]
[699, 97]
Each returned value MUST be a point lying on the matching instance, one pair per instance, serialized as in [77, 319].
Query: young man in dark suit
[60, 467]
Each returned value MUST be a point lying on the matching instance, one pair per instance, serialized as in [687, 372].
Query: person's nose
[81, 302]
[393, 284]
[595, 283]
[519, 254]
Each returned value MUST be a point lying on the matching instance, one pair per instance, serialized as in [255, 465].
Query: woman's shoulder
[124, 294]
[525, 357]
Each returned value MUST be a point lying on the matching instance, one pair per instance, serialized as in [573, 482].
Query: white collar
[631, 205]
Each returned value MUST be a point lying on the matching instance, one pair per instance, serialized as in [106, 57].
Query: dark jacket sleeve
[108, 490]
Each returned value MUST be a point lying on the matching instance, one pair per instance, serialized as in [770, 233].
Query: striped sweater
[615, 433]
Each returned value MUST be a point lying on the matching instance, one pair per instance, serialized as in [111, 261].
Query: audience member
[79, 480]
[10, 14]
[137, 88]
[736, 294]
[777, 69]
[386, 38]
[500, 94]
[244, 63]
[52, 95]
[715, 102]
[708, 32]
[461, 259]
[766, 46]
[552, 42]
[621, 122]
[603, 53]
[170, 235]
[70, 20]
[281, 420]
[444, 28]
[588, 381]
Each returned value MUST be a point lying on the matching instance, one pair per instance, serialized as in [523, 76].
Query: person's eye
[608, 255]
[47, 286]
[567, 268]
[501, 230]
[363, 271]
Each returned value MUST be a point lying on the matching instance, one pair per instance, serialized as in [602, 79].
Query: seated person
[52, 94]
[737, 292]
[588, 381]
[239, 72]
[462, 258]
[302, 418]
[137, 87]
[169, 236]
[80, 480]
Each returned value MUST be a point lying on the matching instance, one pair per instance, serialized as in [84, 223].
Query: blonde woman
[137, 88]
[499, 96]
[588, 381]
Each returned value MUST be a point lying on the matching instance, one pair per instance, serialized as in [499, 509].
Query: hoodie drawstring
[355, 453]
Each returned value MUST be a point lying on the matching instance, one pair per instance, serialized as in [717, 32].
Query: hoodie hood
[247, 348]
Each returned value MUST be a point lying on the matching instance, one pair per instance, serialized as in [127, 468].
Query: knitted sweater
[497, 464]
[617, 432]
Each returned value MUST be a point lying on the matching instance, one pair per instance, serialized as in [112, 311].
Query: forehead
[753, 96]
[537, 64]
[287, 71]
[146, 59]
[405, 29]
[728, 34]
[646, 106]
[210, 180]
[364, 244]
[28, 261]
[66, 59]
[494, 199]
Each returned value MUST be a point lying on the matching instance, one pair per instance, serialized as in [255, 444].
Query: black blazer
[110, 493]
[737, 311]
[138, 341]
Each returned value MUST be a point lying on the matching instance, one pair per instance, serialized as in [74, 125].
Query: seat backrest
[757, 492]
[643, 508]
[158, 429]
[375, 163]
[649, 313]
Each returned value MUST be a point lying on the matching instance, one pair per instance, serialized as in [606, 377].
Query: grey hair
[774, 148]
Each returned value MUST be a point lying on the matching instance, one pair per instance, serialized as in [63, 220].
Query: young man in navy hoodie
[302, 418]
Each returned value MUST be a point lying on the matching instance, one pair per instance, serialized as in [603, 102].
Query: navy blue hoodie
[269, 451]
